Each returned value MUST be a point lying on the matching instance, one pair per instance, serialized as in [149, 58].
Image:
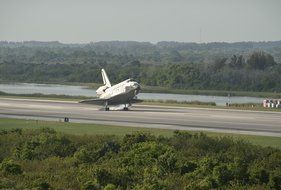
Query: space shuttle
[123, 93]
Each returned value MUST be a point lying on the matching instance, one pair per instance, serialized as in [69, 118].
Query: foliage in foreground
[45, 159]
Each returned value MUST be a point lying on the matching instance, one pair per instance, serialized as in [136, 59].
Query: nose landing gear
[106, 106]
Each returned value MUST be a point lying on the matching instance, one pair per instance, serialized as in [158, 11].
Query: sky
[83, 21]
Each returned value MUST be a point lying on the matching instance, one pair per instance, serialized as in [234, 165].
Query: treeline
[145, 52]
[215, 66]
[258, 73]
[45, 159]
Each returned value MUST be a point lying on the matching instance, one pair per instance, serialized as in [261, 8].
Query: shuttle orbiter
[122, 93]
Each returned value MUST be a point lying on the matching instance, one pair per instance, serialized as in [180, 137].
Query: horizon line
[81, 43]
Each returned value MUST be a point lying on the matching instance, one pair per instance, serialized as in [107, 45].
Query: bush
[9, 167]
[46, 144]
[258, 174]
[275, 179]
[91, 185]
[130, 139]
[103, 176]
[222, 174]
[110, 187]
[40, 184]
[6, 183]
[136, 161]
[83, 155]
[188, 167]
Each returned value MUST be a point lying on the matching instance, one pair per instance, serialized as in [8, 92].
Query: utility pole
[200, 36]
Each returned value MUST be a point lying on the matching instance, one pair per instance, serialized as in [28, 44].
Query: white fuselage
[123, 93]
[124, 87]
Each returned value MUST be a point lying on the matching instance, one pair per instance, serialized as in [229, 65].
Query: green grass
[161, 103]
[77, 128]
[208, 105]
[99, 129]
[44, 96]
[158, 89]
[180, 102]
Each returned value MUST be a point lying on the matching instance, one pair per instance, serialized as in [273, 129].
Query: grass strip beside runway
[99, 129]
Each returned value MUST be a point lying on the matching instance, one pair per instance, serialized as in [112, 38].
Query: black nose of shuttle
[138, 88]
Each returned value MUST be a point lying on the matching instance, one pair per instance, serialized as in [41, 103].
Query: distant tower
[200, 36]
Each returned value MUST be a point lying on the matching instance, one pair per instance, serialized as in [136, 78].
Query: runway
[177, 118]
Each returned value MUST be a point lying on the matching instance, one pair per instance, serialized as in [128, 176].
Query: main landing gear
[126, 107]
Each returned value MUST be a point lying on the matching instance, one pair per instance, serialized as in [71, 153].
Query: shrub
[222, 174]
[110, 187]
[91, 185]
[275, 179]
[41, 184]
[9, 167]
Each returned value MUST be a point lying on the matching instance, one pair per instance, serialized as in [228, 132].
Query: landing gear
[126, 108]
[106, 106]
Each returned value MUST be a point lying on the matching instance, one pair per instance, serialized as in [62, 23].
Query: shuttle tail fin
[105, 78]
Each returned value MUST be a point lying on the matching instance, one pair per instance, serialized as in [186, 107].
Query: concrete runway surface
[203, 119]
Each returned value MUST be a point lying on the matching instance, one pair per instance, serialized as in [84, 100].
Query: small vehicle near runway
[66, 119]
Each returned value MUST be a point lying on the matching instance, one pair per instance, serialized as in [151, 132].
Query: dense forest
[45, 159]
[247, 66]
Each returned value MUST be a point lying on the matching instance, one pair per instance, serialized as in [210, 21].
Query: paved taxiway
[217, 120]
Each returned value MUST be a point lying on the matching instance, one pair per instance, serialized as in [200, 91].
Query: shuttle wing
[110, 101]
[97, 101]
[134, 101]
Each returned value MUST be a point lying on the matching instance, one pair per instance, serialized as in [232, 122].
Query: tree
[219, 64]
[236, 62]
[260, 60]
